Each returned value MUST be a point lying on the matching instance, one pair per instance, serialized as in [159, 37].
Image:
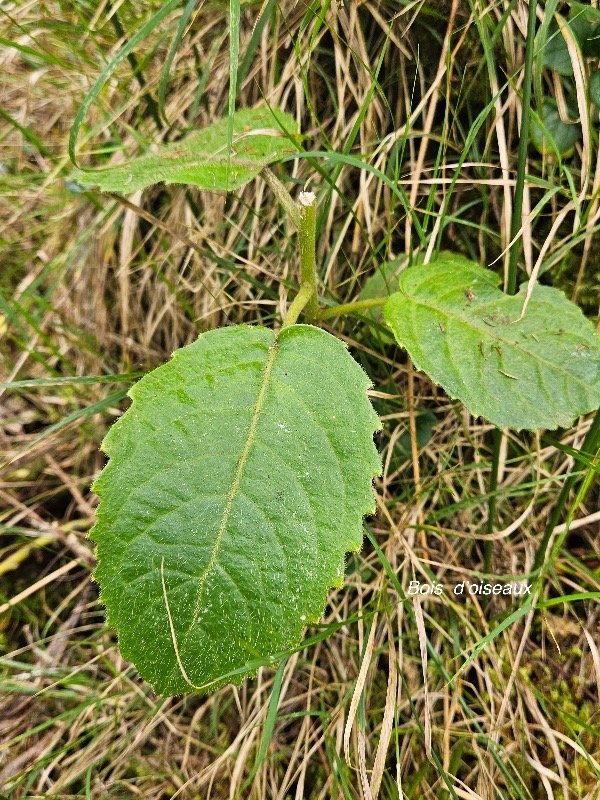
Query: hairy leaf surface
[384, 281]
[202, 158]
[458, 327]
[241, 472]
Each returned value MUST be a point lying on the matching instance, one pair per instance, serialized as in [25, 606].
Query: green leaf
[537, 372]
[381, 283]
[584, 20]
[584, 25]
[556, 53]
[594, 88]
[241, 473]
[552, 136]
[384, 280]
[203, 158]
[424, 424]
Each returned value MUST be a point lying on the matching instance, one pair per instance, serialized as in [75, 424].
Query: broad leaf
[384, 281]
[202, 158]
[240, 475]
[458, 327]
[584, 26]
[552, 136]
[556, 53]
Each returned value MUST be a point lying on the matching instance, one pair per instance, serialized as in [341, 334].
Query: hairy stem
[303, 216]
[282, 194]
[350, 308]
[307, 203]
[298, 305]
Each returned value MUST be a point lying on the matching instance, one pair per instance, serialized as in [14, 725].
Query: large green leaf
[203, 158]
[540, 371]
[241, 472]
[384, 280]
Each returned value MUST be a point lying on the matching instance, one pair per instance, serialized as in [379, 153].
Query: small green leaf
[553, 136]
[203, 158]
[584, 25]
[240, 475]
[556, 53]
[537, 372]
[584, 20]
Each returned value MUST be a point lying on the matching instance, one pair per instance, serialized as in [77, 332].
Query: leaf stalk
[298, 305]
[350, 308]
[282, 194]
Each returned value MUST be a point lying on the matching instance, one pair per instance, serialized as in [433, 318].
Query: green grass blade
[108, 70]
[234, 52]
[164, 74]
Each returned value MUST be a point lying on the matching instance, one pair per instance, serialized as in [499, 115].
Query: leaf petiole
[350, 308]
[298, 305]
[282, 194]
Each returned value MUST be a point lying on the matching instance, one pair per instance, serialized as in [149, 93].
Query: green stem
[298, 305]
[349, 308]
[302, 214]
[517, 215]
[308, 263]
[282, 194]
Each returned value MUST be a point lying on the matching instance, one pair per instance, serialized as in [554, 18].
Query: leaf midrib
[520, 349]
[231, 494]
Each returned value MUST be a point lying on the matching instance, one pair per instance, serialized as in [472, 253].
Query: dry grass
[94, 287]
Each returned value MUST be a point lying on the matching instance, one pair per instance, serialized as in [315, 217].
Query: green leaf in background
[382, 282]
[584, 24]
[553, 136]
[584, 20]
[240, 475]
[594, 88]
[424, 423]
[556, 53]
[203, 158]
[538, 372]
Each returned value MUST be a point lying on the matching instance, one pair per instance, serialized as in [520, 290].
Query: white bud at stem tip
[307, 198]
